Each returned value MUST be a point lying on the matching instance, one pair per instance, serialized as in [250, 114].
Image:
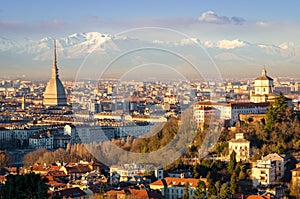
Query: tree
[233, 184]
[241, 175]
[212, 191]
[232, 163]
[224, 192]
[186, 194]
[276, 112]
[32, 157]
[200, 190]
[209, 178]
[5, 159]
[25, 186]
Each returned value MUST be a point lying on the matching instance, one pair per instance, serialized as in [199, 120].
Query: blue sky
[260, 23]
[35, 10]
[32, 17]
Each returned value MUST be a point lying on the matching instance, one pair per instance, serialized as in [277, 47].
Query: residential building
[296, 174]
[263, 172]
[41, 140]
[227, 111]
[172, 188]
[241, 146]
[280, 163]
[127, 171]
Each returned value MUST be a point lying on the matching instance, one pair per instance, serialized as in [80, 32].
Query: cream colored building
[296, 174]
[263, 172]
[279, 163]
[173, 188]
[241, 146]
[263, 89]
[127, 171]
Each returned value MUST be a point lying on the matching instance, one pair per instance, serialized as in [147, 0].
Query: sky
[33, 17]
[271, 22]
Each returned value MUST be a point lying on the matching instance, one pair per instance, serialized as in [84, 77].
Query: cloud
[214, 18]
[208, 44]
[230, 44]
[238, 20]
[224, 44]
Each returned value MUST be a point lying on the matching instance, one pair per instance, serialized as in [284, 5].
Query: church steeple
[54, 67]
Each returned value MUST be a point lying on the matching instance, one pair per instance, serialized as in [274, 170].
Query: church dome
[264, 76]
[55, 94]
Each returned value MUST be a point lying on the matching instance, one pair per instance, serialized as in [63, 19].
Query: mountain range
[227, 54]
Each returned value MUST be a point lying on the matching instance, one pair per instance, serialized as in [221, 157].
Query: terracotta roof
[137, 193]
[57, 174]
[69, 193]
[258, 197]
[78, 169]
[249, 104]
[168, 181]
[44, 169]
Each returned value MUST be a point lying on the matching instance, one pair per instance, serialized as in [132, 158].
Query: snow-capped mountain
[74, 48]
[78, 45]
[7, 44]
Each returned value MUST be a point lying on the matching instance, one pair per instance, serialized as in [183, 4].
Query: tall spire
[264, 71]
[54, 67]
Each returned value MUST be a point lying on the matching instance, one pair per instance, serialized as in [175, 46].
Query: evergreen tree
[218, 189]
[209, 178]
[224, 192]
[276, 112]
[232, 163]
[212, 191]
[200, 190]
[233, 184]
[25, 186]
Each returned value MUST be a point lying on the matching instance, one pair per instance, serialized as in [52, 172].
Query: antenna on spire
[54, 61]
[54, 67]
[264, 71]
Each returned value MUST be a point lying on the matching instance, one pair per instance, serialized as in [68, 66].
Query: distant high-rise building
[55, 94]
[23, 102]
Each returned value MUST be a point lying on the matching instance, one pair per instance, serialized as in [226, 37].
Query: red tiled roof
[168, 181]
[57, 174]
[69, 193]
[258, 197]
[78, 169]
[137, 193]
